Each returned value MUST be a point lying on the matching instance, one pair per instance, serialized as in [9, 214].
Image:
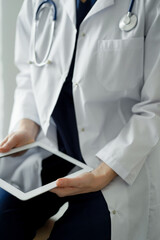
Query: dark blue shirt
[64, 112]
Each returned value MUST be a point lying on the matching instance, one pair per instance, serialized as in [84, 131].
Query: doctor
[92, 88]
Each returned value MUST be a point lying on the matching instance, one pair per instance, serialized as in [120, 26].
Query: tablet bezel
[33, 193]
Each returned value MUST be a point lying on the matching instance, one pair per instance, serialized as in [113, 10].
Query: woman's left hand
[86, 182]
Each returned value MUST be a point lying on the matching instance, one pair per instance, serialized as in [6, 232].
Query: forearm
[103, 175]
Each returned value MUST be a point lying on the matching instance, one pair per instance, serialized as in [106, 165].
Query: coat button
[114, 212]
[82, 129]
[49, 62]
[83, 34]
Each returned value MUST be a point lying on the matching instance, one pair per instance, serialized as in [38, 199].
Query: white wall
[9, 11]
[1, 82]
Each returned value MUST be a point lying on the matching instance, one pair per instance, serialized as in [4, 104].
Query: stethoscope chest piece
[128, 22]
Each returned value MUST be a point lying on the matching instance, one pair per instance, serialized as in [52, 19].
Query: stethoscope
[52, 6]
[127, 23]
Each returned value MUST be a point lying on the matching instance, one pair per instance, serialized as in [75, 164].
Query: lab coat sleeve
[24, 103]
[127, 153]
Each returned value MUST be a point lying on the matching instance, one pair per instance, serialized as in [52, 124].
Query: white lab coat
[116, 90]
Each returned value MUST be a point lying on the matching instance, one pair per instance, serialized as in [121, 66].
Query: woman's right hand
[25, 134]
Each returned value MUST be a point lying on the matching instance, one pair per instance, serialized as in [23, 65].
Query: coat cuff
[114, 162]
[18, 115]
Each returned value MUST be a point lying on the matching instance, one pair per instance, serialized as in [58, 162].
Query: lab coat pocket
[121, 63]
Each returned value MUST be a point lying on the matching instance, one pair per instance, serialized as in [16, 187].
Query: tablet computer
[36, 170]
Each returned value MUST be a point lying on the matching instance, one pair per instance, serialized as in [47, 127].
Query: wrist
[30, 127]
[103, 175]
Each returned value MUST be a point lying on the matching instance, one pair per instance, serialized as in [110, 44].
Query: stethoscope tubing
[46, 57]
[50, 2]
[131, 6]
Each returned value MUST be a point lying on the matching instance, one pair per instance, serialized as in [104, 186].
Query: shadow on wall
[9, 10]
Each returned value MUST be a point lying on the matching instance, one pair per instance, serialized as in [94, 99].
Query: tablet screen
[34, 168]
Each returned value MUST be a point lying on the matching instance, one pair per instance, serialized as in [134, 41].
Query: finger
[64, 192]
[4, 141]
[10, 143]
[79, 181]
[3, 146]
[68, 182]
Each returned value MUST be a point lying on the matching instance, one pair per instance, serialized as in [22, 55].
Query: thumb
[68, 182]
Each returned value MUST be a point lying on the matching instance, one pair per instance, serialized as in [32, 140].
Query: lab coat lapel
[70, 6]
[98, 6]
